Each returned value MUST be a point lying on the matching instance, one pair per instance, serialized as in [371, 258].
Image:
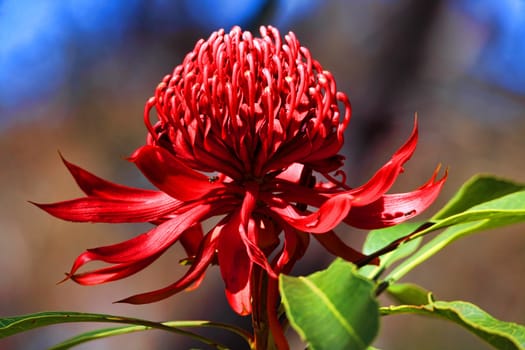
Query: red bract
[247, 130]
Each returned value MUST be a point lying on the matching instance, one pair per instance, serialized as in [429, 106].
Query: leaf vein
[351, 331]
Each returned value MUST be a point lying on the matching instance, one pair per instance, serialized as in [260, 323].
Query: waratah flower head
[246, 130]
[247, 107]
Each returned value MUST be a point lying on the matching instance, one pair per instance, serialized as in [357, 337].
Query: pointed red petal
[110, 202]
[100, 209]
[112, 273]
[328, 216]
[172, 176]
[93, 185]
[392, 209]
[145, 245]
[247, 230]
[194, 274]
[385, 177]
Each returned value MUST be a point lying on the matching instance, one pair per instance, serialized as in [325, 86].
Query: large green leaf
[17, 324]
[502, 335]
[504, 210]
[497, 201]
[477, 190]
[332, 309]
[483, 202]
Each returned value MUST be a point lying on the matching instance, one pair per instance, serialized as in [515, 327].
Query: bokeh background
[75, 74]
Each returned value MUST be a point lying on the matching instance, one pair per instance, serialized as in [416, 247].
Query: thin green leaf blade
[332, 309]
[17, 324]
[97, 334]
[502, 335]
[114, 331]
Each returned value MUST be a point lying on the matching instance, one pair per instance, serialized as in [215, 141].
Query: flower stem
[263, 339]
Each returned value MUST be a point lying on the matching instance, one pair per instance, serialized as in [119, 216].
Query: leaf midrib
[350, 330]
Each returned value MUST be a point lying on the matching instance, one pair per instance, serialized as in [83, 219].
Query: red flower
[248, 130]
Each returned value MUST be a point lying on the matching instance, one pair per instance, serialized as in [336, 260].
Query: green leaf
[504, 210]
[477, 190]
[408, 293]
[502, 335]
[378, 239]
[17, 324]
[109, 332]
[332, 309]
[97, 334]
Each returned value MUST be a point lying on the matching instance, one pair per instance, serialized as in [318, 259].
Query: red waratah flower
[247, 130]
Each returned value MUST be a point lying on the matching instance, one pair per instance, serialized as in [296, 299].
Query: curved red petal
[147, 244]
[331, 242]
[328, 216]
[194, 274]
[93, 185]
[235, 265]
[295, 193]
[392, 209]
[240, 300]
[172, 176]
[191, 239]
[100, 209]
[285, 258]
[247, 230]
[295, 244]
[112, 273]
[385, 177]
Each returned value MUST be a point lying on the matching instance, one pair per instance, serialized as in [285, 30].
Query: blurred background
[74, 77]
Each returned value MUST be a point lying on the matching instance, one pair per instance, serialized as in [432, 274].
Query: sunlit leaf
[502, 335]
[504, 210]
[477, 190]
[332, 309]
